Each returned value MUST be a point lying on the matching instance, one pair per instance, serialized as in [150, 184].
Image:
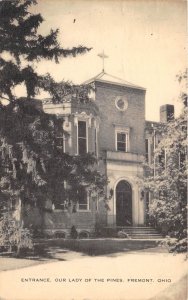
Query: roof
[107, 78]
[151, 125]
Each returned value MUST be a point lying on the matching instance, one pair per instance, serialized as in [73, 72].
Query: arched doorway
[123, 204]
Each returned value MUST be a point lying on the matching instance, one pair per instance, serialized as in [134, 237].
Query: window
[82, 137]
[182, 158]
[96, 142]
[63, 206]
[122, 141]
[83, 200]
[121, 103]
[162, 158]
[59, 142]
[147, 151]
[122, 138]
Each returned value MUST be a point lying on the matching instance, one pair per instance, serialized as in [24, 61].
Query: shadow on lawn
[56, 248]
[38, 253]
[68, 249]
[43, 252]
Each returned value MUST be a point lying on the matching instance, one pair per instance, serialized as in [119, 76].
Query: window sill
[65, 211]
[60, 210]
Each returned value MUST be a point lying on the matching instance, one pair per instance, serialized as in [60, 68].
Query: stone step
[135, 232]
[132, 227]
[140, 231]
[137, 229]
[147, 237]
[145, 234]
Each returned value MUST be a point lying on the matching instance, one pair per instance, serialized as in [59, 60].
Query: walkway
[126, 276]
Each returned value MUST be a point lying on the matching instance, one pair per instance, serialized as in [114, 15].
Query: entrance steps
[134, 232]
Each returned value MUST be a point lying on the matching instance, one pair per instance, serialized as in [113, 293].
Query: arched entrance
[123, 204]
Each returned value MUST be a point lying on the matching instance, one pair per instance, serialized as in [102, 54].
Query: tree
[18, 31]
[167, 184]
[30, 162]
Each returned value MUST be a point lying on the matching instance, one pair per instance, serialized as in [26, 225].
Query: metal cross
[102, 56]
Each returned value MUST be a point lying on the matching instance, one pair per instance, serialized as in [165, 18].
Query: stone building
[112, 126]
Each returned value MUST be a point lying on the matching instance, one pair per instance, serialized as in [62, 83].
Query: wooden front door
[123, 204]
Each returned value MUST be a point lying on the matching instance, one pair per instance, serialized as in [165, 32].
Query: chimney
[166, 113]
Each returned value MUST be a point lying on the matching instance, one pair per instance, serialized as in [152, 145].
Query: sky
[145, 42]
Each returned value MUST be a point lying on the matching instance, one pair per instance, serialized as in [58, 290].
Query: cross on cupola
[102, 56]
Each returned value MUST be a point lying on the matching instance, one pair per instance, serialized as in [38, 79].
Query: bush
[37, 233]
[73, 232]
[99, 230]
[84, 235]
[175, 245]
[180, 246]
[13, 237]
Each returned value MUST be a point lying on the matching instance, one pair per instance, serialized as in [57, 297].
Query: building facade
[111, 125]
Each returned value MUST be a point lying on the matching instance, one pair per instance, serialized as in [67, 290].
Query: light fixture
[111, 193]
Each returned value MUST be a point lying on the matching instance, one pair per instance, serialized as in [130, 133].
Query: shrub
[13, 237]
[73, 233]
[175, 245]
[84, 235]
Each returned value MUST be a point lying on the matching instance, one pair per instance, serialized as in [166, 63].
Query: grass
[13, 263]
[100, 246]
[50, 250]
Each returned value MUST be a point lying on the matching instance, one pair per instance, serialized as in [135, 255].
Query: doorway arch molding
[132, 185]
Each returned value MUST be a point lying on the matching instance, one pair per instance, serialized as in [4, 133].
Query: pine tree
[32, 168]
[25, 47]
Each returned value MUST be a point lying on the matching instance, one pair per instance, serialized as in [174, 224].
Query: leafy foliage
[25, 46]
[175, 245]
[32, 167]
[167, 180]
[16, 237]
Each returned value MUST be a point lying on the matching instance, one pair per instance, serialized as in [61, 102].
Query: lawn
[68, 249]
